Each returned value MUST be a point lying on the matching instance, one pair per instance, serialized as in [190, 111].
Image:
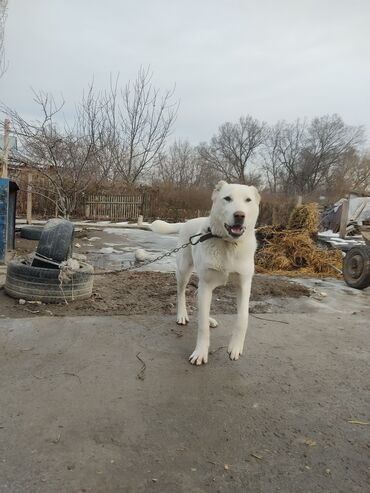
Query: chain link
[147, 262]
[66, 269]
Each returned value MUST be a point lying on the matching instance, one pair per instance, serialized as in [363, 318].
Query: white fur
[163, 228]
[214, 260]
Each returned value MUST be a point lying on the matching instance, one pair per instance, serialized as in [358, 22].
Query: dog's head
[234, 209]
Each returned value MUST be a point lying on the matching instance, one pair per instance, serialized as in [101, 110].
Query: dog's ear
[218, 187]
[256, 194]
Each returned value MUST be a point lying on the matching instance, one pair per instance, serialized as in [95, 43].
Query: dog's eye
[248, 199]
[228, 199]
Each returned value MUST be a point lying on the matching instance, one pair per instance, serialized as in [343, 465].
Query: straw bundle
[305, 217]
[293, 252]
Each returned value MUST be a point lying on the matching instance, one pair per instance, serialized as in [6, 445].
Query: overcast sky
[273, 59]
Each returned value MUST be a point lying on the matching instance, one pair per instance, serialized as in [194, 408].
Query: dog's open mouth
[235, 230]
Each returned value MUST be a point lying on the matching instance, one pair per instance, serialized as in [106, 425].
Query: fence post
[344, 219]
[29, 197]
[87, 210]
[6, 148]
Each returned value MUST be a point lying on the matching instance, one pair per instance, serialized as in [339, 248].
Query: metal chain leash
[65, 269]
[134, 266]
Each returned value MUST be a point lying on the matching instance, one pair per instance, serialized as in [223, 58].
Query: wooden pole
[344, 219]
[6, 148]
[29, 198]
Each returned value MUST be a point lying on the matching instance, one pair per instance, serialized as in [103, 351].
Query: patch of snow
[108, 250]
[112, 231]
[329, 232]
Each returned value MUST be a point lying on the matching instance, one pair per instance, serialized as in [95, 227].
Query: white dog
[227, 247]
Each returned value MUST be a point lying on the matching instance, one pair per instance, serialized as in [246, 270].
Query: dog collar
[202, 237]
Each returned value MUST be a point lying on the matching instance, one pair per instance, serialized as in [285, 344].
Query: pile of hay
[305, 217]
[293, 251]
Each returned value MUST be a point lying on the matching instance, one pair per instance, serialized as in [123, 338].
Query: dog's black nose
[239, 217]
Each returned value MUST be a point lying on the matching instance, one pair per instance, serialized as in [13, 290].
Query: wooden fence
[116, 207]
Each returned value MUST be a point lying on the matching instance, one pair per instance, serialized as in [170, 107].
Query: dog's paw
[235, 349]
[182, 318]
[199, 356]
[213, 323]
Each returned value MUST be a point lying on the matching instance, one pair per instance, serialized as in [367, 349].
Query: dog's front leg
[200, 354]
[236, 345]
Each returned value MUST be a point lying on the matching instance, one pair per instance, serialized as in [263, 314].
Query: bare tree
[271, 156]
[3, 11]
[282, 155]
[68, 157]
[141, 120]
[179, 165]
[114, 133]
[300, 157]
[233, 147]
[359, 174]
[351, 174]
[328, 140]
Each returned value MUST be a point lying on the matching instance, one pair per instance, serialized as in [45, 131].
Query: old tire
[31, 232]
[356, 267]
[42, 284]
[56, 242]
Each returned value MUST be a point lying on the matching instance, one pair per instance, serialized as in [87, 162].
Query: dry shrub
[179, 204]
[275, 208]
[294, 252]
[305, 217]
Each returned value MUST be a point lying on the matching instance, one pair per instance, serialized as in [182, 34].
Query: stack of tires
[39, 279]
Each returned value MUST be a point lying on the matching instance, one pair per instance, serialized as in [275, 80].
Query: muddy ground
[139, 293]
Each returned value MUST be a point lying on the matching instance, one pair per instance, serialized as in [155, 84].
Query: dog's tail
[163, 228]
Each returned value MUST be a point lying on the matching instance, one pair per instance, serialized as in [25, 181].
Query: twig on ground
[358, 422]
[57, 440]
[257, 456]
[336, 269]
[141, 374]
[270, 319]
[72, 375]
[215, 350]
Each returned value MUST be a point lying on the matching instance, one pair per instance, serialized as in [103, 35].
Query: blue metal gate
[4, 201]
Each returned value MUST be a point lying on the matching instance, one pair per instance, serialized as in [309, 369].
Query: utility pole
[4, 173]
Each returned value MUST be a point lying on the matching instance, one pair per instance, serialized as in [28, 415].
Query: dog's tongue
[236, 229]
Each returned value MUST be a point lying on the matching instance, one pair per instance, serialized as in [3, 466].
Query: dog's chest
[221, 256]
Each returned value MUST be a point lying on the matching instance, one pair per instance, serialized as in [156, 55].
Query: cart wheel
[356, 267]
